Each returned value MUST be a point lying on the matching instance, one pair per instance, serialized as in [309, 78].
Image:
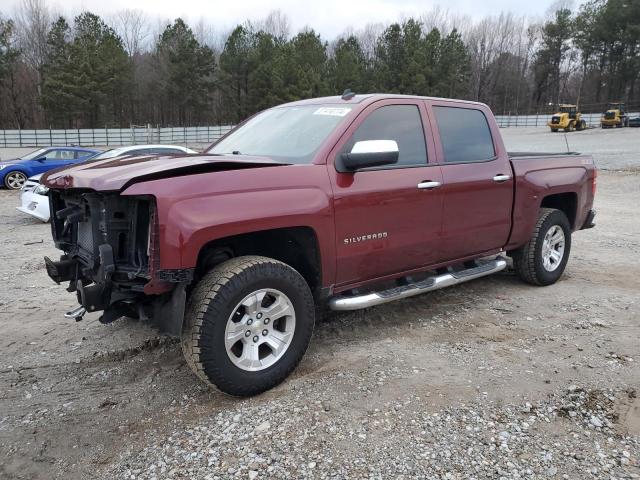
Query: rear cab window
[465, 135]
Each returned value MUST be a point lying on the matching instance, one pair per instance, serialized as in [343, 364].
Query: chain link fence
[190, 136]
[113, 137]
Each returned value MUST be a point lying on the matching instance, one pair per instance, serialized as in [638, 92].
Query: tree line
[95, 72]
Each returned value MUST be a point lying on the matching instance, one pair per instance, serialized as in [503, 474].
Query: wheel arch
[566, 202]
[297, 246]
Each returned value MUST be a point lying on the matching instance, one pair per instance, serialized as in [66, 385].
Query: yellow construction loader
[615, 116]
[567, 118]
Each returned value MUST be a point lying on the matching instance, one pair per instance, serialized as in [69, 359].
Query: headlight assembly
[41, 190]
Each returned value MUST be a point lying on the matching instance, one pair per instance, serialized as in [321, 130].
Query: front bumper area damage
[111, 260]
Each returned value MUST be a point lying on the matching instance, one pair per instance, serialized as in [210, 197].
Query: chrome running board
[346, 302]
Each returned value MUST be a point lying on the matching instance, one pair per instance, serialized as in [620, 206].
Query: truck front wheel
[248, 323]
[542, 260]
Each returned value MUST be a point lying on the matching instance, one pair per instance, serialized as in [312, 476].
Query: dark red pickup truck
[346, 201]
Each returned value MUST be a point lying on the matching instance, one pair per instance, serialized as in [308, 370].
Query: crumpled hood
[120, 172]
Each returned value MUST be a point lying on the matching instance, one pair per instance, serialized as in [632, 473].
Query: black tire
[528, 260]
[211, 305]
[554, 130]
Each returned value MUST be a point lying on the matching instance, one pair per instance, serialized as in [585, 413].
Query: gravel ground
[490, 379]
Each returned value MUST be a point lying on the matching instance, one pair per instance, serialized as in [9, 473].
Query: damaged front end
[111, 258]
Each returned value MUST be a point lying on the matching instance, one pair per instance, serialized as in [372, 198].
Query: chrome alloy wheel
[553, 248]
[15, 180]
[260, 329]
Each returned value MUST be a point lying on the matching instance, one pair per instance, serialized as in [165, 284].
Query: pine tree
[187, 69]
[58, 83]
[556, 35]
[349, 66]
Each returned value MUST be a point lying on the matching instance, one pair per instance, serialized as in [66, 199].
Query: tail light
[593, 184]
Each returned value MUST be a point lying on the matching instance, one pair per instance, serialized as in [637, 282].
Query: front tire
[248, 323]
[14, 180]
[542, 260]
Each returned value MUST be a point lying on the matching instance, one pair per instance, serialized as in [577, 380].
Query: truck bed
[519, 155]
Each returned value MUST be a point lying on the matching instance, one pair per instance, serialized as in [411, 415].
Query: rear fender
[533, 187]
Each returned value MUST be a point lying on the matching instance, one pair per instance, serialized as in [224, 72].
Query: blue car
[13, 173]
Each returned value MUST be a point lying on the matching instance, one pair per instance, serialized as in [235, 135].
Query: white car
[34, 199]
[143, 150]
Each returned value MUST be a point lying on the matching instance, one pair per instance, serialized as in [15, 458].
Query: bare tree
[33, 20]
[368, 38]
[444, 20]
[208, 35]
[277, 24]
[490, 42]
[133, 27]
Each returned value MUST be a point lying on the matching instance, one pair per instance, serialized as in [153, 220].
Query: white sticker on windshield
[332, 111]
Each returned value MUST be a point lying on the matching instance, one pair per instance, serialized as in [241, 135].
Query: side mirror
[370, 153]
[41, 159]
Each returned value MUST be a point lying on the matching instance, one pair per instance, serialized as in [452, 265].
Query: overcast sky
[329, 17]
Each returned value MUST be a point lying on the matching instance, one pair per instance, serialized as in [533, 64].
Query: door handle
[501, 178]
[428, 185]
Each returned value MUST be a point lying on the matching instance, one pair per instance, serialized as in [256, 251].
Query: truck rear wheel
[543, 259]
[248, 323]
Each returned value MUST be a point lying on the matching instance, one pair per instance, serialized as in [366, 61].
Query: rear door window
[465, 135]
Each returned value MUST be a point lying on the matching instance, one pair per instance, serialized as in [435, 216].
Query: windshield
[34, 155]
[114, 152]
[289, 134]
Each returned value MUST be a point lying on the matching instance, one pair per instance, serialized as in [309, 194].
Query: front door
[386, 220]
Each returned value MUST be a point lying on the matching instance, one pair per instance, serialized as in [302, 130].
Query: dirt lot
[612, 149]
[490, 379]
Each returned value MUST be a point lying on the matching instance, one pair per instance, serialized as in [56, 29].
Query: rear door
[385, 222]
[477, 180]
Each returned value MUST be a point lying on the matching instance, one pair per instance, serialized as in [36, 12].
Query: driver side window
[401, 123]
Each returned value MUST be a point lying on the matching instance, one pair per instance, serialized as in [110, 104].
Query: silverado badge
[365, 238]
